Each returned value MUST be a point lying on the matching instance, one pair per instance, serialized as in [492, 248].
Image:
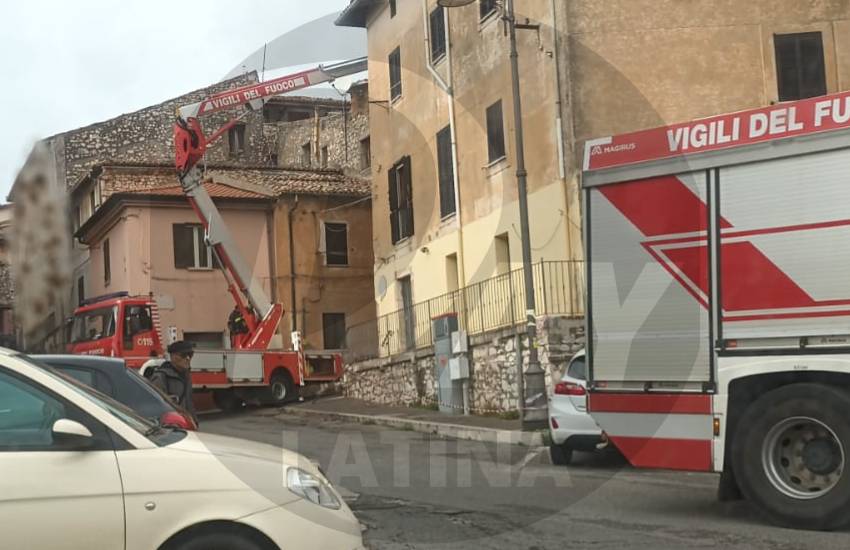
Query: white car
[571, 427]
[81, 471]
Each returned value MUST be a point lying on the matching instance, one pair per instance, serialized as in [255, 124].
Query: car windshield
[116, 409]
[94, 325]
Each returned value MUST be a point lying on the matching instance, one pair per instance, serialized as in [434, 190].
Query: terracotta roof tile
[232, 181]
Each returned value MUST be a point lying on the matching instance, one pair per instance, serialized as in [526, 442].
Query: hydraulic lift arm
[190, 145]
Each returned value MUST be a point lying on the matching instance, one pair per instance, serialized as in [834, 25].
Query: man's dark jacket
[176, 384]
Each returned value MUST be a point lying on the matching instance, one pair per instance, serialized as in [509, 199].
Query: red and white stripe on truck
[707, 240]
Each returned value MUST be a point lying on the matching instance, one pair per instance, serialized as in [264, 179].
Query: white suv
[80, 471]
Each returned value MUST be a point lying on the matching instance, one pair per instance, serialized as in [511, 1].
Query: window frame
[394, 62]
[802, 89]
[445, 173]
[237, 133]
[494, 153]
[482, 6]
[437, 33]
[366, 153]
[325, 248]
[307, 154]
[107, 263]
[400, 194]
[197, 236]
[326, 328]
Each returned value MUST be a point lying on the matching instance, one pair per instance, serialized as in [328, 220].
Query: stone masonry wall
[341, 134]
[146, 135]
[408, 379]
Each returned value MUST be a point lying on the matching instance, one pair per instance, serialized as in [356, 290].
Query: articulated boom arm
[190, 145]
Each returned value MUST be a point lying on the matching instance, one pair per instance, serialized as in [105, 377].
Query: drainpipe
[447, 88]
[293, 316]
[562, 161]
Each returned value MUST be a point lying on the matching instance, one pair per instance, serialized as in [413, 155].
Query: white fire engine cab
[718, 280]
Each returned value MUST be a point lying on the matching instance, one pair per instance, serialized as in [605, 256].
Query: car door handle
[5, 411]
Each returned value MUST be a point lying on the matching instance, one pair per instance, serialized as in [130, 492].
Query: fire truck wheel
[281, 389]
[790, 456]
[227, 400]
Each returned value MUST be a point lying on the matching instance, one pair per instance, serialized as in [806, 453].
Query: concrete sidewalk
[474, 428]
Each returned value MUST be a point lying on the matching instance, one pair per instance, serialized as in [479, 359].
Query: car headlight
[311, 488]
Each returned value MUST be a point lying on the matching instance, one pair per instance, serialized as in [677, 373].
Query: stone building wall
[146, 135]
[408, 379]
[340, 132]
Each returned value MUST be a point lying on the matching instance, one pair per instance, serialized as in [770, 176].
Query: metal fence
[494, 303]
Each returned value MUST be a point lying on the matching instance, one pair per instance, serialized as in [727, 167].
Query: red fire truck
[718, 280]
[120, 325]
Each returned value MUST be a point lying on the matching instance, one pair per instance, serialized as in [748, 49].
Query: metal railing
[494, 303]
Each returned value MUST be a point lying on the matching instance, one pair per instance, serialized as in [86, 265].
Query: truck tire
[227, 400]
[790, 456]
[281, 389]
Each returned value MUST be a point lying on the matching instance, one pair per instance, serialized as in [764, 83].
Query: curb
[453, 431]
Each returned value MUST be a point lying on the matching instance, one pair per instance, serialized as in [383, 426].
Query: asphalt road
[413, 491]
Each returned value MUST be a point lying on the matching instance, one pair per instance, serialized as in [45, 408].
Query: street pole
[534, 413]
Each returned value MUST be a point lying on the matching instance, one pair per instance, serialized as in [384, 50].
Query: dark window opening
[306, 154]
[107, 268]
[333, 330]
[445, 170]
[438, 34]
[395, 73]
[336, 244]
[81, 290]
[393, 9]
[800, 68]
[236, 139]
[205, 340]
[325, 156]
[495, 132]
[401, 200]
[190, 248]
[365, 153]
[486, 8]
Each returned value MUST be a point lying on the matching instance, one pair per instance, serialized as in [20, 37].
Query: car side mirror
[69, 433]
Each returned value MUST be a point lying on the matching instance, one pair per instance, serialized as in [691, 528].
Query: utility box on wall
[449, 390]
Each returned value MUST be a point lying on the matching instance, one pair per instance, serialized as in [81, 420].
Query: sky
[70, 64]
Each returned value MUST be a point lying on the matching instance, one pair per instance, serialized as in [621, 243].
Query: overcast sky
[69, 64]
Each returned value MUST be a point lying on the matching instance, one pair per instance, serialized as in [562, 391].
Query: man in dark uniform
[174, 377]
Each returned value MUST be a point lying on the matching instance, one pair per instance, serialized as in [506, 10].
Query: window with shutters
[107, 267]
[190, 250]
[336, 244]
[395, 73]
[401, 200]
[800, 69]
[445, 170]
[438, 34]
[333, 330]
[495, 132]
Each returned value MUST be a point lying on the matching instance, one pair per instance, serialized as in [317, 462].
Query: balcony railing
[495, 303]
